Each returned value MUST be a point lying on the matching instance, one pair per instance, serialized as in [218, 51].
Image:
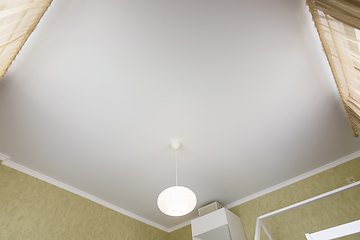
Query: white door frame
[260, 224]
[335, 232]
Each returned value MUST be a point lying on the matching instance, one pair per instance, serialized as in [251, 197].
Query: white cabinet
[219, 225]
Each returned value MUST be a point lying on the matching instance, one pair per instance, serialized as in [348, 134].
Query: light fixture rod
[176, 167]
[175, 144]
[176, 200]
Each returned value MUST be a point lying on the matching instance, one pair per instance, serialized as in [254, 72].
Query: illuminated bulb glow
[176, 201]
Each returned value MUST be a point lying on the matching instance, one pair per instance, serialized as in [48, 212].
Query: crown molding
[295, 179]
[76, 191]
[4, 157]
[181, 225]
[283, 184]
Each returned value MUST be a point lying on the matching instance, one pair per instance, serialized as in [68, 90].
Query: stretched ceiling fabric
[18, 19]
[338, 25]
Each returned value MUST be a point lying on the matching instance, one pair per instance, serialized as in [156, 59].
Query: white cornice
[4, 157]
[181, 225]
[283, 184]
[295, 179]
[76, 191]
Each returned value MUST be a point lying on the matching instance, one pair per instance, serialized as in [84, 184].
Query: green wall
[181, 234]
[338, 209]
[33, 209]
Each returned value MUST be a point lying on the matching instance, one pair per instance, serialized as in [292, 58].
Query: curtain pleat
[338, 25]
[18, 18]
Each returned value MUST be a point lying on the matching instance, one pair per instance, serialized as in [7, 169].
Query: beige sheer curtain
[18, 18]
[338, 25]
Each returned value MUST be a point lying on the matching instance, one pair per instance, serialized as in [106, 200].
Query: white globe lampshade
[176, 201]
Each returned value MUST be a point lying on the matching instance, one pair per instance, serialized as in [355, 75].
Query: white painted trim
[181, 225]
[40, 176]
[265, 229]
[308, 237]
[310, 200]
[336, 232]
[4, 157]
[76, 191]
[284, 184]
[348, 228]
[295, 179]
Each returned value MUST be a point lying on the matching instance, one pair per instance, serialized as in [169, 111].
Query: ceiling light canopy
[176, 200]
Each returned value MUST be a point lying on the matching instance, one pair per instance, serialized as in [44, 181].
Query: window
[338, 25]
[18, 18]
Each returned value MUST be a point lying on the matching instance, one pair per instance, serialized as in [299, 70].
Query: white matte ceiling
[101, 87]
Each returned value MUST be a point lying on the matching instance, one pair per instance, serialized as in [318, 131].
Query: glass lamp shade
[176, 201]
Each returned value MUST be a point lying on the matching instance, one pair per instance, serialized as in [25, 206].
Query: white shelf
[220, 224]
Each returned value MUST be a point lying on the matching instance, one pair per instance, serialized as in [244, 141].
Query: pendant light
[176, 200]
